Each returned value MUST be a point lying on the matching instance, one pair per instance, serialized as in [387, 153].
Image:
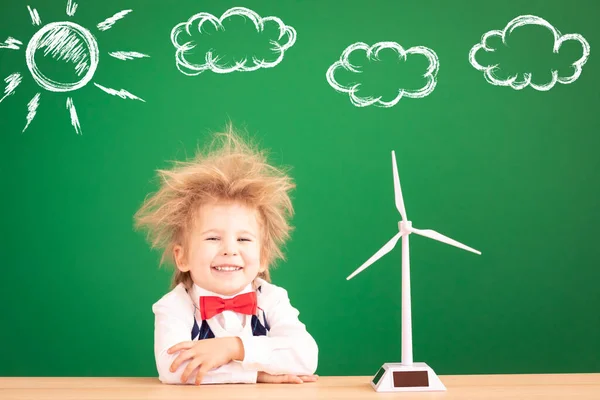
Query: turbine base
[397, 377]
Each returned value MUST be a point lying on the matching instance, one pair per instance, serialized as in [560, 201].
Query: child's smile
[227, 268]
[226, 271]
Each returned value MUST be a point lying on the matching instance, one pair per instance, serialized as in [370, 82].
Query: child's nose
[230, 248]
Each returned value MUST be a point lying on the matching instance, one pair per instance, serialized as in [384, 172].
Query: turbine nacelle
[405, 227]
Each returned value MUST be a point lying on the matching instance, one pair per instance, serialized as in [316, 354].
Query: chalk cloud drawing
[72, 44]
[372, 53]
[181, 37]
[521, 81]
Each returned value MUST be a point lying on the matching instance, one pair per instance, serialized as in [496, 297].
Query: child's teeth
[227, 268]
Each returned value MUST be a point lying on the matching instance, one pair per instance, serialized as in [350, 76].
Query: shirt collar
[198, 291]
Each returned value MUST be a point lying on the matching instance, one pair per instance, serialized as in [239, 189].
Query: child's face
[223, 252]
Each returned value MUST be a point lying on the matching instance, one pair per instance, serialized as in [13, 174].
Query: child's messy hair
[228, 170]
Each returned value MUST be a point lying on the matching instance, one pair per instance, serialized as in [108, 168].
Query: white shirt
[287, 349]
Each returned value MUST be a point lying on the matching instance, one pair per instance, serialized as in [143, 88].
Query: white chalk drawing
[127, 55]
[521, 81]
[11, 43]
[72, 44]
[65, 41]
[372, 53]
[12, 81]
[109, 22]
[71, 8]
[73, 114]
[183, 42]
[32, 107]
[124, 94]
[35, 17]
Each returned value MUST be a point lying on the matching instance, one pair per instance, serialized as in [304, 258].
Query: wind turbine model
[406, 376]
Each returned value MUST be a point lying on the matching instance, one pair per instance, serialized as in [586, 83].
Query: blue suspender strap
[195, 330]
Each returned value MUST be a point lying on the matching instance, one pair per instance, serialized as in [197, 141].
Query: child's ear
[263, 272]
[180, 258]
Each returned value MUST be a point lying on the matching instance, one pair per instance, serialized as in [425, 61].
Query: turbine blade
[109, 22]
[445, 239]
[397, 190]
[380, 253]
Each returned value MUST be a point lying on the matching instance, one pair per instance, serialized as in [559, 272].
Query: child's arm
[173, 325]
[288, 348]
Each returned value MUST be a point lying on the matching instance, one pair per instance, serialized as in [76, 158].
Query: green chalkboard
[499, 159]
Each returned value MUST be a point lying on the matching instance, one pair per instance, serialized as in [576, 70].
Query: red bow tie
[213, 305]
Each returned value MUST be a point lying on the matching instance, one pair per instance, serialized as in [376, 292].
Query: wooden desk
[464, 387]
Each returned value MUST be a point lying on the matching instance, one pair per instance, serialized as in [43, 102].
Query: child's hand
[205, 355]
[263, 377]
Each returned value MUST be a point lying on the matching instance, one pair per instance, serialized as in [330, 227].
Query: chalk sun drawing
[66, 42]
[521, 81]
[181, 37]
[372, 53]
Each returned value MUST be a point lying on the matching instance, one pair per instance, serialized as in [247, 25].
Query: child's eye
[244, 240]
[212, 238]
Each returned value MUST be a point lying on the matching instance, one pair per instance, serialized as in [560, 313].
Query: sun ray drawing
[12, 81]
[127, 55]
[73, 114]
[32, 107]
[35, 17]
[66, 44]
[11, 43]
[124, 94]
[71, 8]
[109, 22]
